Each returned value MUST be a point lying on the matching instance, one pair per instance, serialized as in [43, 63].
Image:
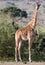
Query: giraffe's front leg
[29, 50]
[19, 50]
[16, 54]
[16, 49]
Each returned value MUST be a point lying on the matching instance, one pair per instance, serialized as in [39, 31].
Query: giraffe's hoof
[30, 61]
[16, 60]
[20, 60]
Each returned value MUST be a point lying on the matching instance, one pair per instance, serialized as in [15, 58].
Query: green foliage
[14, 11]
[38, 49]
[7, 40]
[23, 14]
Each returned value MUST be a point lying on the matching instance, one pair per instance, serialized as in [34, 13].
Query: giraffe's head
[37, 5]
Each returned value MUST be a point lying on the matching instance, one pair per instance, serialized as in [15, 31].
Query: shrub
[14, 11]
[23, 14]
[7, 40]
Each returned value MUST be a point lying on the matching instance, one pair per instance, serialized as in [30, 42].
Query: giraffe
[26, 33]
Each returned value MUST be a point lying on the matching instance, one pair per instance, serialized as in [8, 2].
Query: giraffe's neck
[32, 23]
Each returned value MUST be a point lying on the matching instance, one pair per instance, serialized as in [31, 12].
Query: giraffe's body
[23, 35]
[26, 33]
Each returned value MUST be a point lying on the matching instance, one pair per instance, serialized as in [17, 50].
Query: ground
[22, 63]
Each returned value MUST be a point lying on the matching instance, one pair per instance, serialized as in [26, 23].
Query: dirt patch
[22, 63]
